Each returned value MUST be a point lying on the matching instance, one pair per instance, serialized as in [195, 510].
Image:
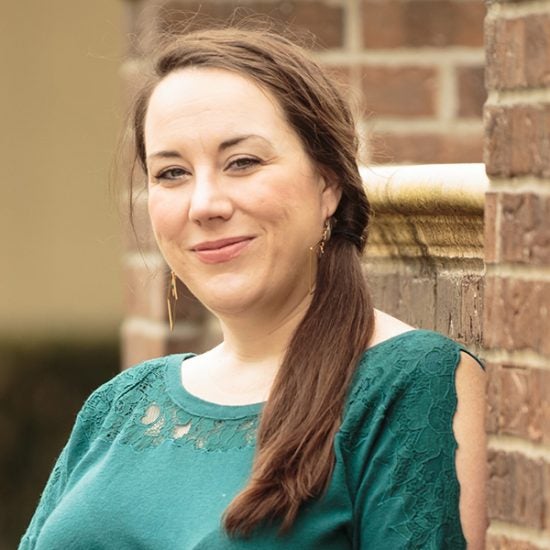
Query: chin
[229, 296]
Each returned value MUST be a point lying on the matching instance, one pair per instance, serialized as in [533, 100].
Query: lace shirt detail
[147, 416]
[142, 445]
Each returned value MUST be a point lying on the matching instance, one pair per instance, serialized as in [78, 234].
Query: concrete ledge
[426, 210]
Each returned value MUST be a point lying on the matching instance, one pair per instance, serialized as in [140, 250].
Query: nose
[209, 199]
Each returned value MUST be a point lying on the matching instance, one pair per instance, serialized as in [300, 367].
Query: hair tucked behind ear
[294, 456]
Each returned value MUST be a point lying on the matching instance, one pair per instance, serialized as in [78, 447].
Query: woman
[257, 206]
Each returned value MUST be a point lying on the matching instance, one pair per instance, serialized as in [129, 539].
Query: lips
[222, 250]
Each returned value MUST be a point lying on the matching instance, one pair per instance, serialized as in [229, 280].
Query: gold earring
[311, 274]
[172, 295]
[325, 236]
[327, 229]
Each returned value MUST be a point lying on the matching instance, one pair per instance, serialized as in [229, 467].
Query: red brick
[436, 23]
[384, 285]
[400, 91]
[522, 403]
[517, 140]
[342, 77]
[140, 344]
[323, 21]
[145, 341]
[523, 233]
[448, 309]
[472, 291]
[518, 52]
[499, 542]
[546, 490]
[517, 315]
[492, 232]
[471, 91]
[525, 228]
[493, 398]
[425, 148]
[515, 489]
[193, 338]
[505, 51]
[537, 50]
[339, 75]
[459, 305]
[137, 232]
[541, 414]
[146, 292]
[518, 402]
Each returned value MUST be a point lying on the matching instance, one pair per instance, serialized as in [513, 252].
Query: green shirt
[150, 466]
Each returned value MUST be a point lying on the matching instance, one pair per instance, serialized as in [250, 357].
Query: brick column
[517, 295]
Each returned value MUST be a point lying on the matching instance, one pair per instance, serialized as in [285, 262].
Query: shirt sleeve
[402, 456]
[88, 422]
[50, 497]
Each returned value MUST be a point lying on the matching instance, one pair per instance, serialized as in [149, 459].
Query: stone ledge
[426, 210]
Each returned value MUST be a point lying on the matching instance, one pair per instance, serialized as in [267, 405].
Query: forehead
[194, 99]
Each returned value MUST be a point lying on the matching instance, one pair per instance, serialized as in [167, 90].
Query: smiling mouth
[224, 250]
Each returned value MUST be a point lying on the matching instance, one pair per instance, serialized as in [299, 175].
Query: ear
[330, 195]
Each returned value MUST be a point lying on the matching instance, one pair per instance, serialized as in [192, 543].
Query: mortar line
[182, 329]
[424, 125]
[514, 10]
[512, 98]
[515, 444]
[149, 259]
[447, 93]
[405, 56]
[524, 272]
[527, 358]
[519, 534]
[520, 185]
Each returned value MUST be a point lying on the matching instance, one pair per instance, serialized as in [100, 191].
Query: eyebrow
[238, 139]
[223, 145]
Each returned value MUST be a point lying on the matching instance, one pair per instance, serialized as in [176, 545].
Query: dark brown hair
[294, 456]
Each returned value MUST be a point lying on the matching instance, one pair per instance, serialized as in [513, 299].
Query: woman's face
[234, 200]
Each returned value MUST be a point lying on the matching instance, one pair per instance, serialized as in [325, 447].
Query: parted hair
[294, 456]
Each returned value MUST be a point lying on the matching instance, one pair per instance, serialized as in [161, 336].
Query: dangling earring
[172, 294]
[321, 244]
[327, 229]
[311, 275]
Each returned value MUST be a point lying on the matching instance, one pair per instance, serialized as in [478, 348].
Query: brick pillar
[517, 295]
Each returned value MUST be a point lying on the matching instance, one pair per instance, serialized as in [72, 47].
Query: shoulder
[411, 355]
[137, 380]
[413, 372]
[129, 378]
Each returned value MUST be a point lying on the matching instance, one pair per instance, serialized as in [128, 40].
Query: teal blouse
[150, 466]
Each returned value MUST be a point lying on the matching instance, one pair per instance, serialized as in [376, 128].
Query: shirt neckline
[200, 407]
[196, 405]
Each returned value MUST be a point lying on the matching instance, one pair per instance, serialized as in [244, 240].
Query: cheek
[167, 215]
[300, 206]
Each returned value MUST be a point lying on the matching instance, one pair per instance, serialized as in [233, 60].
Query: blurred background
[60, 282]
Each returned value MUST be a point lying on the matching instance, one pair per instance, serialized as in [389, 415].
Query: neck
[261, 340]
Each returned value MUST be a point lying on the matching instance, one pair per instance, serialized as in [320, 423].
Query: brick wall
[517, 299]
[412, 68]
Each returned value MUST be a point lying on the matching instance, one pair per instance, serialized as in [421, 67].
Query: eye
[243, 163]
[171, 175]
